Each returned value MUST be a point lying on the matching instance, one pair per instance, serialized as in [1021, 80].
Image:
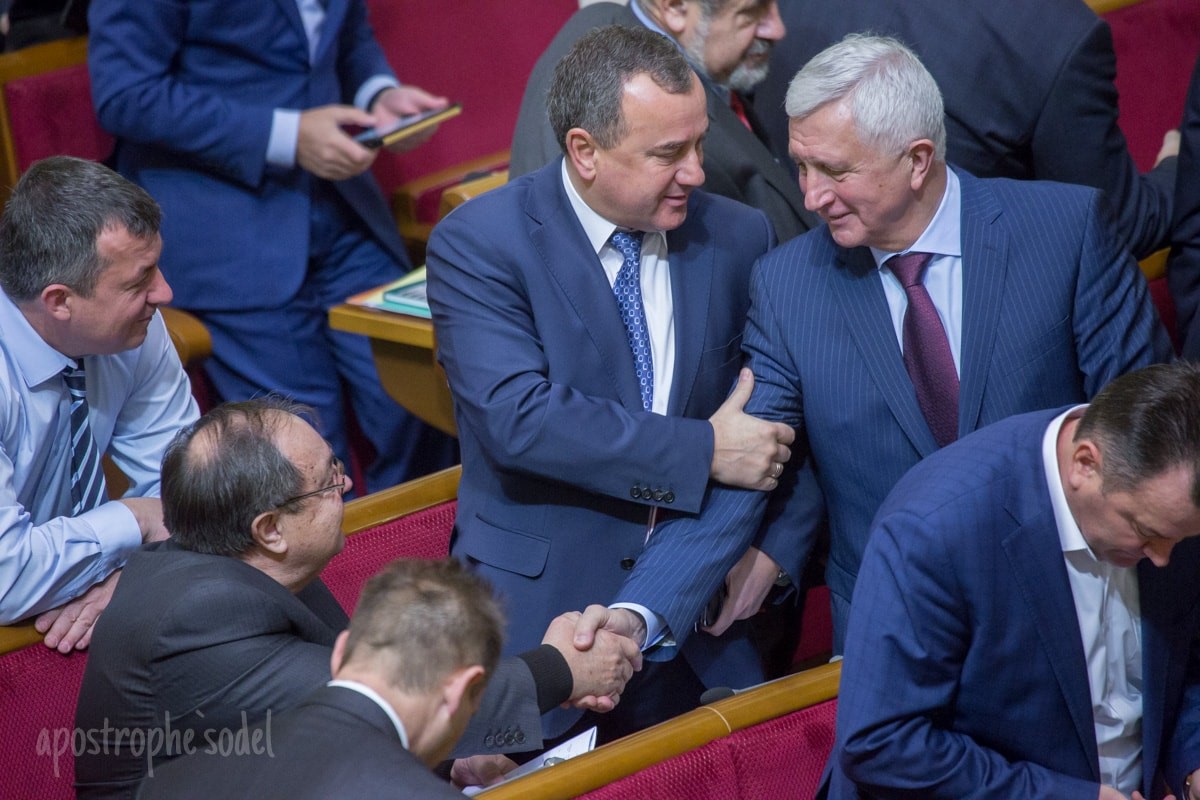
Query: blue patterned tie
[628, 291]
[87, 475]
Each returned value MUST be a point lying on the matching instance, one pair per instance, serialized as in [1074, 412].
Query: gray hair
[418, 621]
[589, 81]
[892, 97]
[225, 469]
[57, 211]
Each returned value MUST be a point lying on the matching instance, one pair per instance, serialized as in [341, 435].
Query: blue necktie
[87, 475]
[628, 291]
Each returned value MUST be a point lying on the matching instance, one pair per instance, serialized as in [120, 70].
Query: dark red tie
[739, 108]
[927, 354]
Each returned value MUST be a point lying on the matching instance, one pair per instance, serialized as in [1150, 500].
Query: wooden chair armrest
[377, 508]
[454, 196]
[1154, 266]
[191, 339]
[406, 199]
[1102, 7]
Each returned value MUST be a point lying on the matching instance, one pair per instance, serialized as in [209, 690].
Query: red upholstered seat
[38, 688]
[779, 759]
[423, 534]
[51, 114]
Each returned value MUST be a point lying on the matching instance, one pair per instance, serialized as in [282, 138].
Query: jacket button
[520, 736]
[635, 493]
[489, 741]
[627, 563]
[659, 494]
[669, 497]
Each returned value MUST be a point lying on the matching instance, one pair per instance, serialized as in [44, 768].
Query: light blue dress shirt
[285, 122]
[137, 401]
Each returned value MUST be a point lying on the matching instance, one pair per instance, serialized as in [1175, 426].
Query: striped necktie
[87, 475]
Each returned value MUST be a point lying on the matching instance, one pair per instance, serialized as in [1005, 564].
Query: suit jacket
[189, 90]
[1052, 311]
[561, 465]
[336, 744]
[1028, 88]
[737, 163]
[1183, 268]
[965, 674]
[201, 644]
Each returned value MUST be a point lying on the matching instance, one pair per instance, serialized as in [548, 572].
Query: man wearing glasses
[228, 623]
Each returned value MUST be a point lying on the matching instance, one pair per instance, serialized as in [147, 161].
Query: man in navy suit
[1028, 87]
[1026, 624]
[1183, 269]
[1031, 302]
[572, 450]
[232, 116]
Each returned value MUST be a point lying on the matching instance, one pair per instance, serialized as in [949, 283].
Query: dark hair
[1146, 423]
[417, 621]
[589, 81]
[225, 469]
[56, 213]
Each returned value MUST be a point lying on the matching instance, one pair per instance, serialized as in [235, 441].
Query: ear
[676, 17]
[581, 151]
[265, 531]
[1085, 463]
[462, 687]
[339, 653]
[921, 153]
[55, 299]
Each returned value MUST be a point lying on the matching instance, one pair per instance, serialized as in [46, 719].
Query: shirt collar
[368, 692]
[37, 360]
[1069, 535]
[943, 235]
[595, 227]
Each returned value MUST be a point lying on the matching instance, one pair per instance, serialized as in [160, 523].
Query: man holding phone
[234, 118]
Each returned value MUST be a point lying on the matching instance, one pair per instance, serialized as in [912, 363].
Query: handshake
[603, 648]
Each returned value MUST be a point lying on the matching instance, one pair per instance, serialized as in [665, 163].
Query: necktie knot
[909, 268]
[629, 243]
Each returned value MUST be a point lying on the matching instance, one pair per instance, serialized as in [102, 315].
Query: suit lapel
[568, 258]
[335, 13]
[292, 12]
[985, 265]
[856, 286]
[1038, 569]
[691, 292]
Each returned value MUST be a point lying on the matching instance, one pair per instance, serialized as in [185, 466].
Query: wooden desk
[404, 351]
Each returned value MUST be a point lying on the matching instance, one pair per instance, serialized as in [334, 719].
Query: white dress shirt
[137, 400]
[374, 696]
[1109, 612]
[943, 277]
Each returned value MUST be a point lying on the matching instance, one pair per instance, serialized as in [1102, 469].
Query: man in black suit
[1028, 87]
[727, 43]
[408, 674]
[228, 621]
[1183, 268]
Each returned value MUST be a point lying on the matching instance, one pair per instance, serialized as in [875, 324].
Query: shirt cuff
[656, 626]
[371, 87]
[551, 675]
[285, 133]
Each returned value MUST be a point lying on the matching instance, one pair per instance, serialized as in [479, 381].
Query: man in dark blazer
[566, 465]
[1183, 268]
[392, 711]
[237, 119]
[727, 43]
[1028, 87]
[1026, 624]
[1033, 306]
[228, 620]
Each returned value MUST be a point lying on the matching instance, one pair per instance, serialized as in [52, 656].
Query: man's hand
[148, 513]
[402, 101]
[749, 583]
[748, 452]
[480, 770]
[69, 627]
[1170, 146]
[325, 149]
[601, 667]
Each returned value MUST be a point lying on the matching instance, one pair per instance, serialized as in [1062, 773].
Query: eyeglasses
[339, 483]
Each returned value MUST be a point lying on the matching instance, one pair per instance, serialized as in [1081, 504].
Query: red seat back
[423, 534]
[51, 114]
[38, 689]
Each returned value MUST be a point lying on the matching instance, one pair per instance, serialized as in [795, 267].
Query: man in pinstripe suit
[1038, 307]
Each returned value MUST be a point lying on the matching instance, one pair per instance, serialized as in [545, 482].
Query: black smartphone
[406, 126]
[712, 609]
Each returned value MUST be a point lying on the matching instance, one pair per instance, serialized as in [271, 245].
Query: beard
[749, 74]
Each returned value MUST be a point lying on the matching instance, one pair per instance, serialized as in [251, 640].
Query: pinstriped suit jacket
[1053, 310]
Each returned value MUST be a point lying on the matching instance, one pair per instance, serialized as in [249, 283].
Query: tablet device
[407, 126]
